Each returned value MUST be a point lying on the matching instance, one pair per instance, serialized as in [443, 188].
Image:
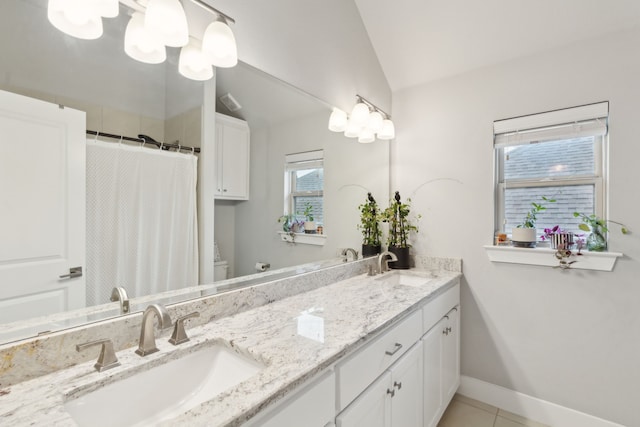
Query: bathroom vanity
[327, 355]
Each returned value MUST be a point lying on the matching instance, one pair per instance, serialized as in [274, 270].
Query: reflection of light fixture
[193, 63]
[338, 120]
[140, 45]
[166, 20]
[77, 18]
[366, 121]
[154, 24]
[220, 44]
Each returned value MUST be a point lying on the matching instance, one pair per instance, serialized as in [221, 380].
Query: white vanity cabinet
[232, 148]
[393, 400]
[312, 406]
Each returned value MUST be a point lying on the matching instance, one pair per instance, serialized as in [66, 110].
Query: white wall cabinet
[441, 351]
[232, 158]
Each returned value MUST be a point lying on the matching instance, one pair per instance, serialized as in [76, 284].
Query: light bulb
[353, 129]
[106, 8]
[366, 135]
[166, 20]
[76, 18]
[193, 63]
[374, 121]
[388, 130]
[338, 120]
[360, 113]
[219, 44]
[140, 45]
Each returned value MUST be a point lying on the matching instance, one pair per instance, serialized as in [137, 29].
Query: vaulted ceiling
[418, 41]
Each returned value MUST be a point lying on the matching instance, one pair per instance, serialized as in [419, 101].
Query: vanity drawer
[433, 311]
[361, 369]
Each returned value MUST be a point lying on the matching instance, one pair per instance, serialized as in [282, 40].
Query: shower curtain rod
[144, 139]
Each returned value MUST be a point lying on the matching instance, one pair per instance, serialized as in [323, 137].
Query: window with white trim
[558, 154]
[304, 184]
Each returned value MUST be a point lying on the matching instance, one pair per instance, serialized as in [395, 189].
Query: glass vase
[596, 241]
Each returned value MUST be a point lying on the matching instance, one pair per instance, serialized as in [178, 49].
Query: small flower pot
[565, 239]
[403, 262]
[524, 237]
[310, 227]
[370, 250]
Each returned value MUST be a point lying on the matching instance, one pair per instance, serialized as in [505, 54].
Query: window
[561, 155]
[304, 184]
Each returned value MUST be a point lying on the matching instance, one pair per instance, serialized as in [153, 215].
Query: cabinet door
[233, 152]
[406, 401]
[451, 355]
[372, 408]
[432, 352]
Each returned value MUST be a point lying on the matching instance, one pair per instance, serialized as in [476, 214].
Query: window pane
[309, 180]
[569, 199]
[300, 204]
[550, 159]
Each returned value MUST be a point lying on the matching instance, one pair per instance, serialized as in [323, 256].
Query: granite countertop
[353, 311]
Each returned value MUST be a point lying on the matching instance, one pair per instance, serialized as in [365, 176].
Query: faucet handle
[120, 294]
[107, 358]
[179, 335]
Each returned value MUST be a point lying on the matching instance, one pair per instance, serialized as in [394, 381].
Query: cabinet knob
[392, 392]
[225, 190]
[397, 384]
[445, 332]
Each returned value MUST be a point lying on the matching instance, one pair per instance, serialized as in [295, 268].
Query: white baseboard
[527, 406]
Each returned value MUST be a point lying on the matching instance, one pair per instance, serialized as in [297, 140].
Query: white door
[372, 408]
[42, 207]
[432, 353]
[451, 356]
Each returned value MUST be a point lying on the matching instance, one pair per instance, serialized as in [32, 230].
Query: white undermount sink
[165, 391]
[406, 278]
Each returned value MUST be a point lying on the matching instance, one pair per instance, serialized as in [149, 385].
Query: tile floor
[465, 412]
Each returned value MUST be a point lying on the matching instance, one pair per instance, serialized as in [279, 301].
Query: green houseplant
[400, 226]
[524, 235]
[309, 223]
[596, 241]
[370, 226]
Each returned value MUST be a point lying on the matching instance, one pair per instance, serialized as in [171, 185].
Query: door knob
[73, 272]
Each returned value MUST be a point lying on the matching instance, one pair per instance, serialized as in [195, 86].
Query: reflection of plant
[593, 222]
[530, 219]
[369, 222]
[308, 211]
[397, 215]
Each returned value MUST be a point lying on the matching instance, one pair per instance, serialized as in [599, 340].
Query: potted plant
[596, 241]
[370, 227]
[309, 224]
[397, 215]
[557, 236]
[524, 235]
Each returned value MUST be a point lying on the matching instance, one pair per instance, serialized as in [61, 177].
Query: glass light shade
[388, 130]
[374, 122]
[338, 120]
[76, 18]
[353, 129]
[360, 113]
[366, 135]
[220, 44]
[106, 8]
[193, 63]
[166, 20]
[140, 45]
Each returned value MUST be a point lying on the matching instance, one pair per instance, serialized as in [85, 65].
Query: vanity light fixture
[366, 122]
[154, 24]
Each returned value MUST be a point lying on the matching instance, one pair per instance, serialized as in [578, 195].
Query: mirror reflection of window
[304, 185]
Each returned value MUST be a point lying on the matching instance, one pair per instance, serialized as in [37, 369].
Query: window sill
[303, 238]
[602, 261]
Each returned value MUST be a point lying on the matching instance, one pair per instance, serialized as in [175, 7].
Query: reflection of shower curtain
[141, 220]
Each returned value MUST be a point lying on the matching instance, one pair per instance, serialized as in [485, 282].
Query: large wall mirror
[125, 97]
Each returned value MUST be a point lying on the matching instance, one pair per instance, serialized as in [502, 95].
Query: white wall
[569, 337]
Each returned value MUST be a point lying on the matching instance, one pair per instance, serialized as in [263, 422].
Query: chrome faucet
[120, 294]
[382, 261]
[345, 254]
[147, 344]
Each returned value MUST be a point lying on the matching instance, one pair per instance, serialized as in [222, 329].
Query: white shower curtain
[141, 220]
